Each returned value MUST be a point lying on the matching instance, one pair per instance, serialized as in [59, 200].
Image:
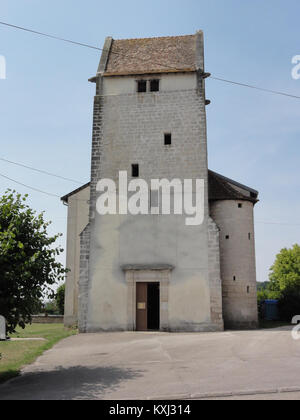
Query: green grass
[16, 354]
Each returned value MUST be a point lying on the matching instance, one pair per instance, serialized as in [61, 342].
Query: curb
[203, 396]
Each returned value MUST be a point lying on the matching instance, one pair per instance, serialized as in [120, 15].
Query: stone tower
[231, 207]
[150, 271]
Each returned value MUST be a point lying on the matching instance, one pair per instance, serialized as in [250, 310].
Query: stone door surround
[148, 274]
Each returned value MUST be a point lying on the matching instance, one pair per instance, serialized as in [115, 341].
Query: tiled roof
[152, 55]
[220, 188]
[65, 198]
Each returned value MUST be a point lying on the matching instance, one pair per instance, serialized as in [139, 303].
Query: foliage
[289, 303]
[262, 285]
[50, 308]
[285, 272]
[284, 283]
[28, 266]
[60, 299]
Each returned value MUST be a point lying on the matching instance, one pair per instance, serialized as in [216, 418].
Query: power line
[77, 43]
[57, 196]
[277, 223]
[50, 36]
[28, 186]
[41, 171]
[256, 87]
[160, 64]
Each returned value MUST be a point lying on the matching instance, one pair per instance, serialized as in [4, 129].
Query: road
[262, 364]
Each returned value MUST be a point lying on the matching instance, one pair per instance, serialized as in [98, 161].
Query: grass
[16, 354]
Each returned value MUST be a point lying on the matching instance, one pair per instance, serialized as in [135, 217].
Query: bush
[289, 304]
[50, 308]
[60, 299]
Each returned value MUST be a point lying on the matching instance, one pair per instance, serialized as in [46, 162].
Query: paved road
[161, 365]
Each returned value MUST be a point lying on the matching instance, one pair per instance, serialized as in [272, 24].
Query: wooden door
[141, 307]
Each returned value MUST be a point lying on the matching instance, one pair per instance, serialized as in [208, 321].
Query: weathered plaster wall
[128, 129]
[238, 270]
[78, 218]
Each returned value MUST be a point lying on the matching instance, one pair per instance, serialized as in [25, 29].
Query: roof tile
[152, 55]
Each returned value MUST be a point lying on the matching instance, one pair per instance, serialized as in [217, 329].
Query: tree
[285, 280]
[28, 266]
[285, 272]
[60, 299]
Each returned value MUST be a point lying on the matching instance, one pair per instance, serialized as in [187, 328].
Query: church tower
[150, 272]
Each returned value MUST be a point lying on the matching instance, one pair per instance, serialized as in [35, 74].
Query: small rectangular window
[168, 139]
[154, 85]
[240, 205]
[135, 171]
[227, 236]
[248, 289]
[142, 86]
[249, 236]
[234, 278]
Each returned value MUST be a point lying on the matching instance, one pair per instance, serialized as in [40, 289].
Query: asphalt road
[262, 364]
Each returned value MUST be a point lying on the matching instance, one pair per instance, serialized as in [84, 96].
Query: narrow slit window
[168, 139]
[135, 171]
[234, 278]
[154, 85]
[142, 86]
[249, 236]
[248, 289]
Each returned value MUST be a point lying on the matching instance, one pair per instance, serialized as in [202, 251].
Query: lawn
[16, 354]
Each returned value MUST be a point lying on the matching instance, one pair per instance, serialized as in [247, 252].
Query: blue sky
[253, 137]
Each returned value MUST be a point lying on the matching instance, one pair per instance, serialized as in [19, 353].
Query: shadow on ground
[67, 383]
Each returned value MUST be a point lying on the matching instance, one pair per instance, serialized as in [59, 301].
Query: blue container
[270, 310]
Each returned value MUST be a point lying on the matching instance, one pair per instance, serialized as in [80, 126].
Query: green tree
[28, 266]
[285, 272]
[60, 299]
[285, 280]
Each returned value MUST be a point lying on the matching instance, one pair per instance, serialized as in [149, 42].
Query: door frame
[162, 275]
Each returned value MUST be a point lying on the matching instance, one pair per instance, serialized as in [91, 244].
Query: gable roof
[65, 198]
[219, 188]
[222, 188]
[152, 55]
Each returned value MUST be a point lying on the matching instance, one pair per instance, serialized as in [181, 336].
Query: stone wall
[78, 218]
[128, 129]
[238, 268]
[49, 319]
[215, 275]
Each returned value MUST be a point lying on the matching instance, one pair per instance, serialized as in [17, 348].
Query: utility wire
[160, 64]
[41, 171]
[278, 223]
[28, 186]
[77, 43]
[256, 87]
[57, 196]
[50, 36]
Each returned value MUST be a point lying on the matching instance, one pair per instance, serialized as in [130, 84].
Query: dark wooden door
[141, 307]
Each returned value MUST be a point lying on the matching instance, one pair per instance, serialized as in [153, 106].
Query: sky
[253, 137]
